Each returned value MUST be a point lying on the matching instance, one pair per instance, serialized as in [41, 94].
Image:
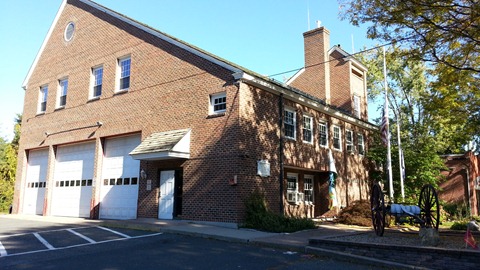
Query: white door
[35, 182]
[167, 184]
[119, 190]
[73, 176]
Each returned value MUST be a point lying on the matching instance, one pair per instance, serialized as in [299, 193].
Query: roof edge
[47, 37]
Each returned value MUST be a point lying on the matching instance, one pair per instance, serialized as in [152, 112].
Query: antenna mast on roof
[308, 16]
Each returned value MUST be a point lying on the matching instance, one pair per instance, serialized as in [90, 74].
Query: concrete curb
[368, 260]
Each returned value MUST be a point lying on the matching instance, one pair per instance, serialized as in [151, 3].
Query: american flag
[384, 125]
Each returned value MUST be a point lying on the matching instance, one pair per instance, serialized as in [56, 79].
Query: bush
[358, 213]
[456, 210]
[461, 225]
[259, 217]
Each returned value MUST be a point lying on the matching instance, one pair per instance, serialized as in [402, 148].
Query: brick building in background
[462, 182]
[123, 121]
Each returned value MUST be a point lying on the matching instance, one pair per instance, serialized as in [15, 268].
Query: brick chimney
[315, 77]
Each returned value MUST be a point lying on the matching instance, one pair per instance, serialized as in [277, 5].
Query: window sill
[39, 113]
[59, 108]
[93, 99]
[216, 115]
[119, 92]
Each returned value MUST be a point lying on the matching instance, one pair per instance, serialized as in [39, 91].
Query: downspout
[281, 175]
[468, 191]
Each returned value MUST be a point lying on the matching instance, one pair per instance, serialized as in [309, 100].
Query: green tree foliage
[407, 87]
[446, 32]
[8, 165]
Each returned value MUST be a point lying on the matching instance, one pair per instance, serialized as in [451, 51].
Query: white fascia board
[161, 156]
[276, 89]
[47, 37]
[295, 76]
[164, 37]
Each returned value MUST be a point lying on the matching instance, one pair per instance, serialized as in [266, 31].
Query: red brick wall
[169, 90]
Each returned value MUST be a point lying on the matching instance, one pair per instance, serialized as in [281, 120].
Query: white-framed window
[62, 92]
[349, 141]
[356, 106]
[307, 129]
[289, 123]
[96, 82]
[42, 99]
[123, 69]
[218, 103]
[292, 187]
[337, 138]
[308, 189]
[323, 134]
[360, 144]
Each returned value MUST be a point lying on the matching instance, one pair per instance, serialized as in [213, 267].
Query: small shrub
[259, 217]
[358, 213]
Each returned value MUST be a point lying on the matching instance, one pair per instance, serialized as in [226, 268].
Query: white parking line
[82, 236]
[81, 245]
[44, 242]
[3, 252]
[115, 232]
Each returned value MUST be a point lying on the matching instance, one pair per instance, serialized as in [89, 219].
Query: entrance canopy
[164, 145]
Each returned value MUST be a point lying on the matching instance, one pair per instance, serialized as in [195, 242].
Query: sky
[264, 36]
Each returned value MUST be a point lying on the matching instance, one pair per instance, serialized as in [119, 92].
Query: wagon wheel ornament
[429, 207]
[377, 204]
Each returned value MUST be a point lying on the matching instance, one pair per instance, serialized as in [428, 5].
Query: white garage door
[119, 191]
[35, 178]
[73, 180]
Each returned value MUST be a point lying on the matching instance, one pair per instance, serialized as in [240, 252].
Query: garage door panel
[73, 180]
[119, 190]
[36, 176]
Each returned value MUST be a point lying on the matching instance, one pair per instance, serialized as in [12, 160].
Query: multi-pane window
[356, 106]
[42, 106]
[289, 123]
[292, 187]
[337, 138]
[124, 69]
[97, 78]
[63, 88]
[218, 103]
[360, 144]
[308, 189]
[323, 134]
[349, 140]
[307, 129]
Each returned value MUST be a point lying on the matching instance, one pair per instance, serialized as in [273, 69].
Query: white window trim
[311, 129]
[339, 137]
[211, 110]
[349, 143]
[118, 75]
[362, 144]
[294, 123]
[326, 133]
[93, 81]
[41, 99]
[59, 93]
[307, 176]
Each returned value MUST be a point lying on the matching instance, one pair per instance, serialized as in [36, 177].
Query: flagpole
[389, 154]
[400, 158]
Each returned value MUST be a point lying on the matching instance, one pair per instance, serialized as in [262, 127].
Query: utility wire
[328, 61]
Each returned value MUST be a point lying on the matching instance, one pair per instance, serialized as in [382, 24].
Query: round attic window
[68, 35]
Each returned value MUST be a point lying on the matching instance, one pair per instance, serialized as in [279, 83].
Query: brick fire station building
[122, 121]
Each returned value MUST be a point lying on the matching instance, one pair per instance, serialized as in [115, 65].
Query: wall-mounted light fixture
[143, 174]
[99, 123]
